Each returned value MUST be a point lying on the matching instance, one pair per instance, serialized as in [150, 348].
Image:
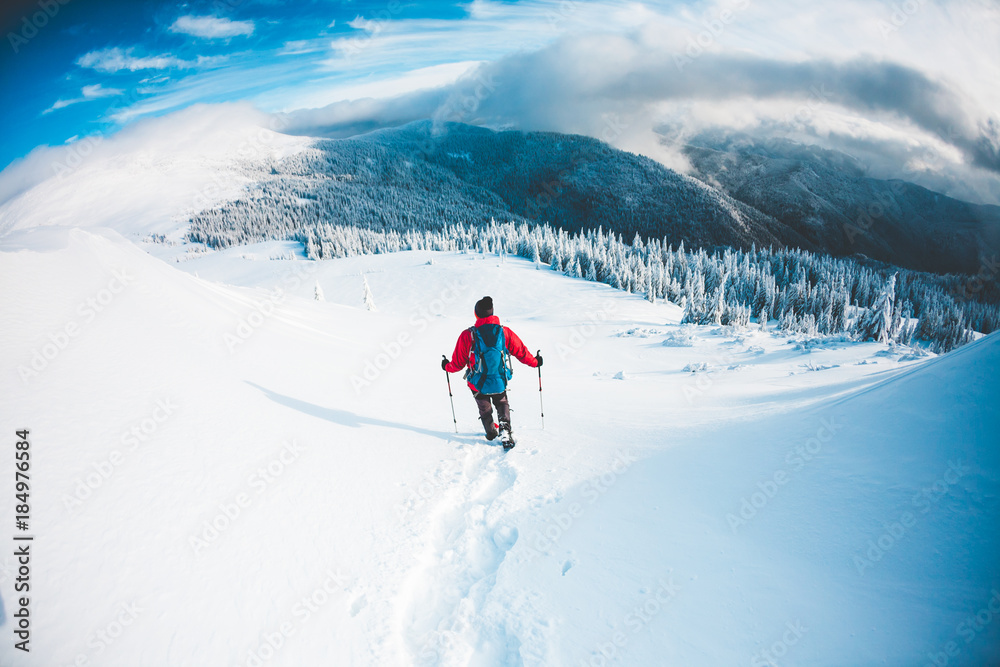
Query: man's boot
[507, 435]
[491, 428]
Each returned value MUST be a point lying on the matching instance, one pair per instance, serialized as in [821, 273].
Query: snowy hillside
[425, 175]
[228, 471]
[147, 179]
[830, 199]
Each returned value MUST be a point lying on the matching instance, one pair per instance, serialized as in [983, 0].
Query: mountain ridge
[426, 175]
[829, 198]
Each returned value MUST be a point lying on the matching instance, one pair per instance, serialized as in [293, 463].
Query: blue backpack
[492, 369]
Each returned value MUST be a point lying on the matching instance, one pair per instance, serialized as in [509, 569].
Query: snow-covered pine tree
[876, 323]
[718, 302]
[788, 321]
[839, 293]
[368, 300]
[318, 292]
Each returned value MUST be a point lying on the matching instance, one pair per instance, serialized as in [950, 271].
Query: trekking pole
[540, 404]
[450, 397]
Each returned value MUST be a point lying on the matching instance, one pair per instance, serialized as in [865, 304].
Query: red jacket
[464, 356]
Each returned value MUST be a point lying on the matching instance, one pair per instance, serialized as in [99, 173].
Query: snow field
[212, 458]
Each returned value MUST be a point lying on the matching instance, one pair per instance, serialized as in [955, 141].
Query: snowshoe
[492, 431]
[507, 437]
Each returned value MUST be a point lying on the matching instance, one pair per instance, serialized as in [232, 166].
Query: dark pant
[486, 408]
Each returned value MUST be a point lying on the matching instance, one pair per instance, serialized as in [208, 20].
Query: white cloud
[368, 25]
[116, 59]
[87, 93]
[419, 79]
[211, 27]
[297, 47]
[925, 86]
[98, 90]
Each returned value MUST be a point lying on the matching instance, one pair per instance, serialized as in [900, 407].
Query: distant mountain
[826, 197]
[426, 176]
[576, 182]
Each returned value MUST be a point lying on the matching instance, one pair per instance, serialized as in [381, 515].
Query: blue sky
[912, 92]
[95, 65]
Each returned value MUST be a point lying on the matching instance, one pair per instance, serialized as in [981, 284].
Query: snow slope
[227, 472]
[147, 179]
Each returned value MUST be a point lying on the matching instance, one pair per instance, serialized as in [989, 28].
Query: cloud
[619, 87]
[296, 47]
[211, 27]
[895, 89]
[368, 25]
[87, 93]
[195, 147]
[116, 59]
[574, 81]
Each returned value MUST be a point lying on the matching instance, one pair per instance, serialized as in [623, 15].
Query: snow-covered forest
[806, 292]
[572, 202]
[410, 178]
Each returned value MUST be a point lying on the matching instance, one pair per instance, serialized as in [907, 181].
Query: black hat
[484, 307]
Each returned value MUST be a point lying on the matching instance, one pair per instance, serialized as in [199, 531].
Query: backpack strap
[474, 347]
[473, 351]
[477, 348]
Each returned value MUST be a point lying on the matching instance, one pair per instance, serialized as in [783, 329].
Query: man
[485, 350]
